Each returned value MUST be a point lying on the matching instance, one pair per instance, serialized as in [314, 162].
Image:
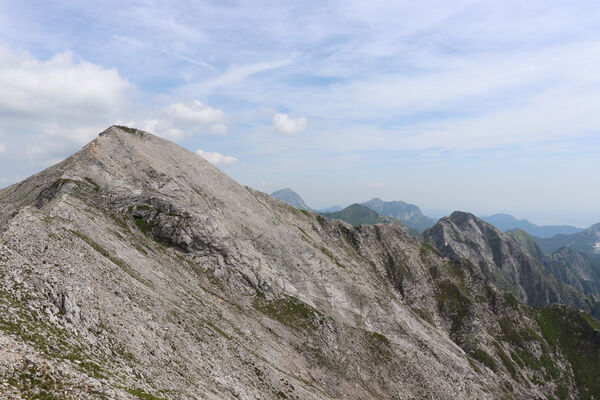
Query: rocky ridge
[135, 269]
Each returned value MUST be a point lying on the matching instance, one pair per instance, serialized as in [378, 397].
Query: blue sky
[484, 106]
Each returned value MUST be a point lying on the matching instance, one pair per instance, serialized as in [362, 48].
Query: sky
[481, 106]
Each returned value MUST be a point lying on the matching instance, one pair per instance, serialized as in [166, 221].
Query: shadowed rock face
[135, 269]
[502, 261]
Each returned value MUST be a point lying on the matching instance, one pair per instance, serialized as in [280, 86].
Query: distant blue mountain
[331, 209]
[506, 222]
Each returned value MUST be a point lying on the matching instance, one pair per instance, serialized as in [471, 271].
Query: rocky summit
[135, 269]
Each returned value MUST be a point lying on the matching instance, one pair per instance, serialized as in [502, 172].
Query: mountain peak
[409, 214]
[290, 197]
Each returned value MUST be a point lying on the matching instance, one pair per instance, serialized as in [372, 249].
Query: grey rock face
[502, 261]
[135, 269]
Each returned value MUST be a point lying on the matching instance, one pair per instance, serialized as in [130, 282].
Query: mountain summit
[290, 197]
[135, 269]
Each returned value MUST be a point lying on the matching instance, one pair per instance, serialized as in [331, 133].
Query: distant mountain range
[410, 214]
[330, 209]
[587, 241]
[506, 222]
[357, 214]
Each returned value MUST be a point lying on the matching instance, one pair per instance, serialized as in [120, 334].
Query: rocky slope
[135, 269]
[573, 267]
[503, 262]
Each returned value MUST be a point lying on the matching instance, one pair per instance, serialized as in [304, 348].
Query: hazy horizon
[487, 107]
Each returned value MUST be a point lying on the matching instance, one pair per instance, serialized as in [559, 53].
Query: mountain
[506, 222]
[330, 209]
[502, 261]
[586, 241]
[355, 214]
[576, 268]
[410, 214]
[573, 267]
[290, 197]
[135, 269]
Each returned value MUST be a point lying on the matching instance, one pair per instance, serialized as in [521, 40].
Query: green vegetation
[558, 324]
[127, 129]
[291, 312]
[142, 225]
[140, 394]
[592, 321]
[483, 357]
[511, 299]
[331, 257]
[453, 303]
[94, 184]
[506, 360]
[356, 214]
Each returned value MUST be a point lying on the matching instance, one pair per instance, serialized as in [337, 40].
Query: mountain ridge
[506, 222]
[135, 269]
[409, 214]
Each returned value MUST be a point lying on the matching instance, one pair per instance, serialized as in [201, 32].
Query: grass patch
[426, 247]
[140, 394]
[506, 360]
[94, 184]
[142, 225]
[291, 312]
[480, 355]
[511, 299]
[591, 320]
[559, 325]
[331, 257]
[452, 303]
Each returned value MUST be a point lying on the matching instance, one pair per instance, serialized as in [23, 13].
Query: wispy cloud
[217, 158]
[388, 86]
[286, 125]
[166, 51]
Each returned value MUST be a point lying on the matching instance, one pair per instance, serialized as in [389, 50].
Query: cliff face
[502, 261]
[135, 269]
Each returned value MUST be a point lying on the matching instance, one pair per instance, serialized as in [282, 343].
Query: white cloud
[219, 129]
[57, 89]
[195, 113]
[287, 125]
[53, 106]
[217, 158]
[183, 120]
